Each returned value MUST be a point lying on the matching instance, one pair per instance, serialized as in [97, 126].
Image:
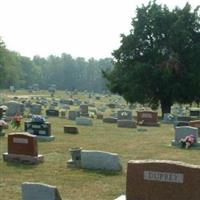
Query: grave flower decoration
[16, 121]
[188, 141]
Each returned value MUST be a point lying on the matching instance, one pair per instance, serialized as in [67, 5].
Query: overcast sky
[82, 28]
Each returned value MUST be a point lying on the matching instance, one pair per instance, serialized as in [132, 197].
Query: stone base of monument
[126, 124]
[110, 120]
[73, 164]
[71, 129]
[149, 124]
[174, 143]
[122, 197]
[45, 138]
[23, 158]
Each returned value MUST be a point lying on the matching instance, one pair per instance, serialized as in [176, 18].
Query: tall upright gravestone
[162, 180]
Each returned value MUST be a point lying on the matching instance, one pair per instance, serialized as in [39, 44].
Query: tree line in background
[63, 71]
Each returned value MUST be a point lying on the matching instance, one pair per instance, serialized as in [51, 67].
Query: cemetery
[118, 118]
[95, 163]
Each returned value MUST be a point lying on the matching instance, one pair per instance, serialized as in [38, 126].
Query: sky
[81, 28]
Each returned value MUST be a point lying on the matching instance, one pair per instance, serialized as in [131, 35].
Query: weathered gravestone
[110, 120]
[147, 118]
[70, 129]
[161, 180]
[69, 101]
[39, 191]
[84, 110]
[84, 121]
[73, 114]
[22, 147]
[181, 123]
[52, 112]
[195, 123]
[75, 162]
[124, 114]
[183, 131]
[14, 108]
[99, 115]
[183, 118]
[36, 109]
[126, 123]
[100, 160]
[168, 118]
[194, 112]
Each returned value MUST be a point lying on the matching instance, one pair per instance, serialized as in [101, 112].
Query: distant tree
[159, 61]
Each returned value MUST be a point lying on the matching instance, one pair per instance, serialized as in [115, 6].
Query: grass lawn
[79, 184]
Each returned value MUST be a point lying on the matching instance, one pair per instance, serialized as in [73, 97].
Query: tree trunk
[165, 107]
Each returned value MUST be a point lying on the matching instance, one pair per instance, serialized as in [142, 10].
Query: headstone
[99, 115]
[182, 132]
[168, 118]
[183, 118]
[40, 127]
[70, 101]
[162, 180]
[195, 112]
[77, 102]
[181, 123]
[22, 147]
[195, 123]
[12, 88]
[71, 129]
[147, 118]
[84, 110]
[36, 109]
[125, 123]
[100, 160]
[62, 113]
[14, 108]
[124, 114]
[84, 121]
[52, 113]
[76, 157]
[73, 114]
[39, 191]
[110, 120]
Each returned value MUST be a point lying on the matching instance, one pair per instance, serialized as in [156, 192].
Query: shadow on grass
[21, 165]
[101, 172]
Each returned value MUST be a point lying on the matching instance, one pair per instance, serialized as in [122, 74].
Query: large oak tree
[159, 60]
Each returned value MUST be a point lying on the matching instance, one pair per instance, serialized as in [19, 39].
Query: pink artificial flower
[3, 123]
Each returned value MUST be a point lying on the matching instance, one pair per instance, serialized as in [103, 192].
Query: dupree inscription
[163, 176]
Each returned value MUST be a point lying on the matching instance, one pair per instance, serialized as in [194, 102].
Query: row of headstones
[125, 119]
[145, 180]
[23, 147]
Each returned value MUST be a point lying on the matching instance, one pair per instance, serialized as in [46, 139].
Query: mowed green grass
[79, 184]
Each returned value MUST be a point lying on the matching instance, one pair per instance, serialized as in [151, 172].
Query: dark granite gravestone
[22, 147]
[38, 128]
[52, 113]
[71, 129]
[147, 118]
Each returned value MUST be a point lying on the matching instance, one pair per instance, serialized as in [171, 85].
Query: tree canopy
[158, 62]
[63, 71]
